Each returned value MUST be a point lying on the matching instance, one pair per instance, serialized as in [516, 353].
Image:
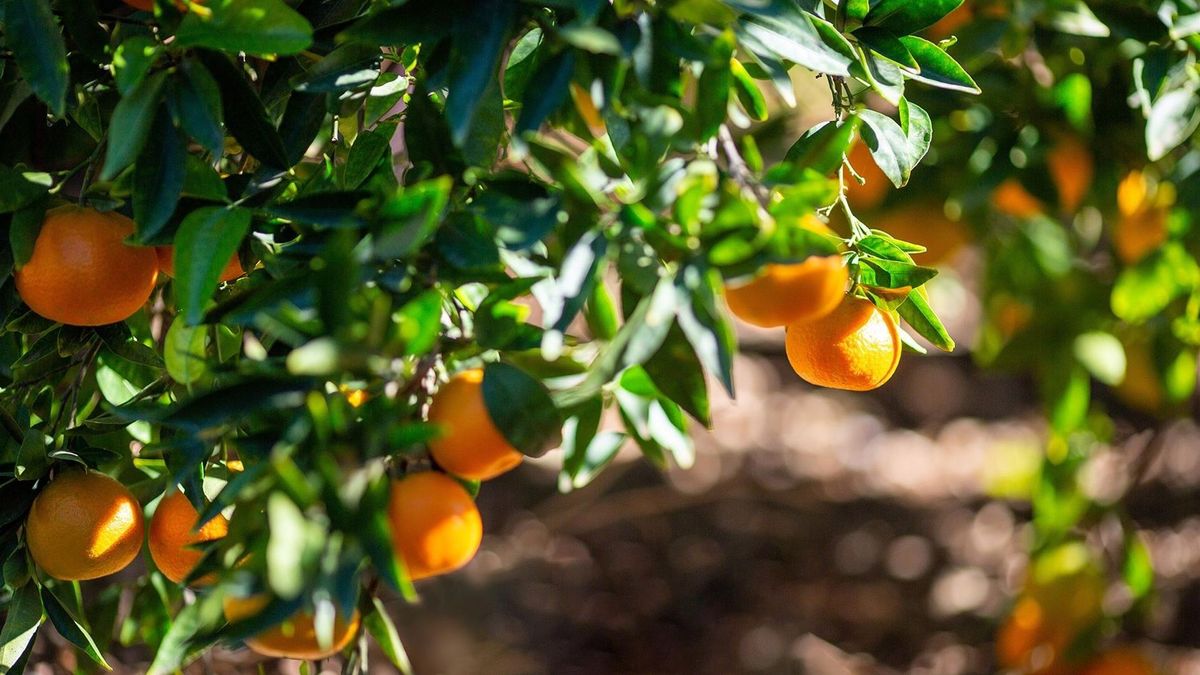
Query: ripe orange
[871, 193]
[1142, 224]
[84, 525]
[295, 638]
[925, 223]
[950, 23]
[1072, 169]
[173, 537]
[166, 264]
[856, 347]
[785, 294]
[470, 445]
[82, 273]
[1121, 661]
[436, 527]
[1012, 199]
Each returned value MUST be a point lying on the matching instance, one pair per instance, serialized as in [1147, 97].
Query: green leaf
[1145, 290]
[824, 147]
[1068, 392]
[17, 192]
[705, 324]
[547, 89]
[32, 34]
[257, 27]
[1102, 354]
[158, 178]
[70, 628]
[20, 626]
[892, 274]
[369, 147]
[521, 408]
[918, 313]
[244, 113]
[563, 298]
[380, 626]
[24, 229]
[903, 17]
[793, 36]
[918, 130]
[185, 352]
[302, 120]
[748, 93]
[349, 66]
[406, 24]
[207, 238]
[410, 217]
[889, 146]
[181, 636]
[937, 67]
[196, 99]
[31, 461]
[132, 61]
[1174, 117]
[130, 124]
[479, 39]
[82, 25]
[712, 89]
[678, 374]
[286, 524]
[1138, 570]
[591, 39]
[885, 43]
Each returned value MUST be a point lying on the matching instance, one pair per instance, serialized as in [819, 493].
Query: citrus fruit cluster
[86, 525]
[834, 339]
[83, 273]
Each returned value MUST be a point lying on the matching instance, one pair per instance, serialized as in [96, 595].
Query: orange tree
[282, 258]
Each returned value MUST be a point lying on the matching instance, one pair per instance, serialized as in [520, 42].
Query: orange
[1072, 170]
[1012, 199]
[1141, 227]
[1121, 661]
[296, 637]
[1011, 315]
[144, 5]
[785, 294]
[173, 536]
[855, 347]
[354, 396]
[84, 526]
[925, 223]
[869, 194]
[82, 273]
[470, 445]
[435, 525]
[1029, 643]
[166, 264]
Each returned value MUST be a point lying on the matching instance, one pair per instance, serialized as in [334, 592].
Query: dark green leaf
[823, 147]
[937, 67]
[903, 17]
[794, 36]
[380, 626]
[258, 27]
[244, 113]
[917, 312]
[23, 232]
[479, 39]
[207, 238]
[70, 628]
[158, 178]
[889, 146]
[38, 50]
[677, 373]
[885, 43]
[196, 102]
[521, 409]
[130, 124]
[132, 61]
[546, 91]
[705, 324]
[20, 626]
